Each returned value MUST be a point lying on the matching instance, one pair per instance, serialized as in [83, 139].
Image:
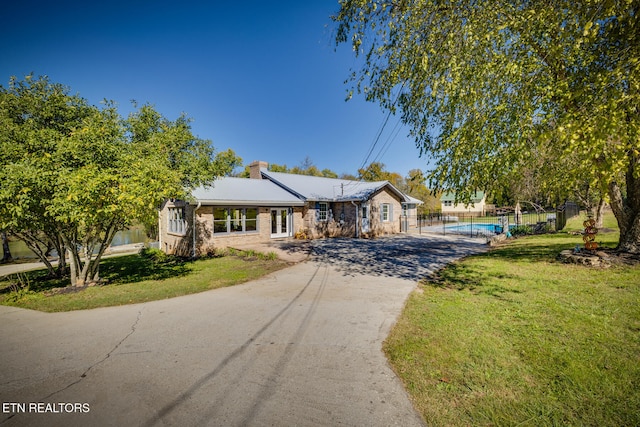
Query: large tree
[74, 174]
[377, 171]
[484, 85]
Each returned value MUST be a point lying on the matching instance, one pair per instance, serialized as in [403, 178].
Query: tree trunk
[34, 243]
[599, 217]
[62, 256]
[6, 252]
[627, 209]
[84, 272]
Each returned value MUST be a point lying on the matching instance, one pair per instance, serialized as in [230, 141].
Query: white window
[448, 202]
[177, 224]
[385, 212]
[323, 211]
[235, 220]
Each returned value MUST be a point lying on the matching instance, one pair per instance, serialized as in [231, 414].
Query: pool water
[483, 229]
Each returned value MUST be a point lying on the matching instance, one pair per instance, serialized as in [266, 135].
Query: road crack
[108, 355]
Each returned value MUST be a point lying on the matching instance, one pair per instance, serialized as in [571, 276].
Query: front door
[365, 218]
[280, 223]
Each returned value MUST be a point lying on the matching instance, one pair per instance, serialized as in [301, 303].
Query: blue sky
[262, 78]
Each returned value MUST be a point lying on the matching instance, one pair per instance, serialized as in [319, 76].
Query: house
[477, 207]
[271, 205]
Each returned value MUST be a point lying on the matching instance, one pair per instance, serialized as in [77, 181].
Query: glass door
[280, 223]
[365, 218]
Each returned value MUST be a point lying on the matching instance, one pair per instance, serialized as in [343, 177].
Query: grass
[514, 337]
[138, 278]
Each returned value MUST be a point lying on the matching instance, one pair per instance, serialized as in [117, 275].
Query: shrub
[154, 255]
[521, 230]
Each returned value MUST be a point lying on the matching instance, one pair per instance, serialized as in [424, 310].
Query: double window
[177, 223]
[448, 202]
[235, 220]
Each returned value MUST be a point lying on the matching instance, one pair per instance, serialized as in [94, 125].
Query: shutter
[381, 213]
[391, 212]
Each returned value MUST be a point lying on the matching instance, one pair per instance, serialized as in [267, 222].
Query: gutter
[159, 230]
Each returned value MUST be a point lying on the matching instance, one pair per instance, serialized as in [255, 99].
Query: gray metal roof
[329, 189]
[245, 192]
[412, 200]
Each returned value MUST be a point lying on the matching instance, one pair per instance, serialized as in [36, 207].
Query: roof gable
[317, 188]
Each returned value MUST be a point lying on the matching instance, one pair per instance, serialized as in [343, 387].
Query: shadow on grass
[460, 276]
[136, 268]
[115, 271]
[529, 250]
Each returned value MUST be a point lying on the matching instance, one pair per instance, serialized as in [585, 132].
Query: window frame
[323, 215]
[385, 214]
[235, 224]
[176, 221]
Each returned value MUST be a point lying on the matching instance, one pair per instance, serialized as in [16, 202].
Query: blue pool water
[474, 229]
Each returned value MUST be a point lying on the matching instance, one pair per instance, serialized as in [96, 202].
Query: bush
[521, 230]
[154, 255]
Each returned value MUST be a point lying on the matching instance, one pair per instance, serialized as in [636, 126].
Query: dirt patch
[602, 258]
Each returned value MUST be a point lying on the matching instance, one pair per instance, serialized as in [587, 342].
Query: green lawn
[135, 278]
[514, 337]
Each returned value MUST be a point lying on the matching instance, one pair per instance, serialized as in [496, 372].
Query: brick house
[273, 205]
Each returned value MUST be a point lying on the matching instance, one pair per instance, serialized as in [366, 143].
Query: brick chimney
[254, 169]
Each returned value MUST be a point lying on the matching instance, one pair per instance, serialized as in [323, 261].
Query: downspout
[193, 230]
[160, 229]
[357, 212]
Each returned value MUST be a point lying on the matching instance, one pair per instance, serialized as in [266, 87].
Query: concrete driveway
[301, 346]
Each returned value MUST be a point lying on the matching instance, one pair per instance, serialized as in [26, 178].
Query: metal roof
[245, 192]
[316, 188]
[413, 200]
[451, 196]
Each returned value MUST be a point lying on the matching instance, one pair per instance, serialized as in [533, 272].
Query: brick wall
[171, 242]
[377, 226]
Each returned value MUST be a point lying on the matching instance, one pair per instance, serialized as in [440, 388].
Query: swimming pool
[475, 229]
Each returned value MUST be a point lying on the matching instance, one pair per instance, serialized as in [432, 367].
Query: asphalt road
[301, 346]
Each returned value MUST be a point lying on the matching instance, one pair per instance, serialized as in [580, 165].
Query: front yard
[137, 278]
[514, 337]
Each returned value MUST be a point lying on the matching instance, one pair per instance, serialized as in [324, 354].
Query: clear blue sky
[262, 78]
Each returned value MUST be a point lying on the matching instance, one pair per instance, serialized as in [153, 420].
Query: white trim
[288, 223]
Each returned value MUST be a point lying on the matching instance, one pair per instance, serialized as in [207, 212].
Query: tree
[74, 174]
[6, 251]
[328, 173]
[415, 185]
[483, 85]
[306, 168]
[376, 172]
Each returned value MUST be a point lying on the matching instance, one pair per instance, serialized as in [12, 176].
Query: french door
[280, 222]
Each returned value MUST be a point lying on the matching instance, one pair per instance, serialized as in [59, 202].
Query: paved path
[13, 268]
[301, 346]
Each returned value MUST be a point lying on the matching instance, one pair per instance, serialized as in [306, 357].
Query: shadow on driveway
[401, 256]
